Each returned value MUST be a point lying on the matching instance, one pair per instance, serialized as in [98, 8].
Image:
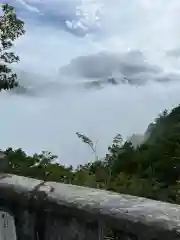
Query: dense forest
[150, 169]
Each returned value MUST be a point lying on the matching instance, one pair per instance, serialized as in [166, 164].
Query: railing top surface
[118, 206]
[18, 183]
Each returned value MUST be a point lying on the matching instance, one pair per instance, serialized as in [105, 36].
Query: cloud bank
[71, 52]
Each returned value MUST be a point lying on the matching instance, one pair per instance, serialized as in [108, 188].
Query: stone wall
[55, 211]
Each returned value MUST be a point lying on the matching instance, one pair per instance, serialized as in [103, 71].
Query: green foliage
[10, 29]
[89, 142]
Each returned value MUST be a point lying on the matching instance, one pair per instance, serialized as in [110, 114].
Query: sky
[71, 43]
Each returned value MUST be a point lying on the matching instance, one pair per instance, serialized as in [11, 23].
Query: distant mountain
[165, 125]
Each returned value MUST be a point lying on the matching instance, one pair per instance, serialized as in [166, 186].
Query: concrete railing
[32, 209]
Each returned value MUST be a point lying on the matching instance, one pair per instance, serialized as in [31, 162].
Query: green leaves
[10, 29]
[88, 141]
[85, 139]
[10, 26]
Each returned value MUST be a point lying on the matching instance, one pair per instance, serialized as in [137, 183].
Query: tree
[89, 142]
[10, 29]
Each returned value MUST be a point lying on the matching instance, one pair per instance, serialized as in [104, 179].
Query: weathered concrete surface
[16, 194]
[18, 183]
[17, 188]
[143, 218]
[68, 228]
[7, 226]
[132, 213]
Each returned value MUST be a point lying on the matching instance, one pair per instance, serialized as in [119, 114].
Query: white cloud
[50, 119]
[27, 6]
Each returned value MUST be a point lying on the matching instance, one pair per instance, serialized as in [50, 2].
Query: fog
[69, 52]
